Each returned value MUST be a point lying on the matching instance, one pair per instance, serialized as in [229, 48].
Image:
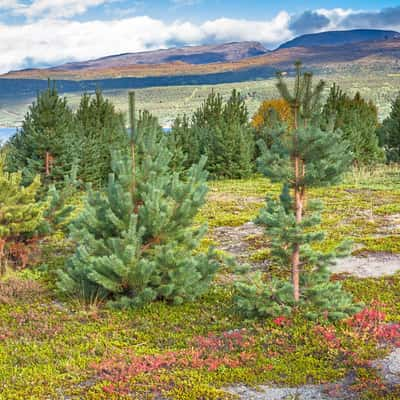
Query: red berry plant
[129, 372]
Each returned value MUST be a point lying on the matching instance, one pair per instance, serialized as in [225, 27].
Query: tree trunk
[47, 163]
[296, 246]
[3, 261]
[298, 209]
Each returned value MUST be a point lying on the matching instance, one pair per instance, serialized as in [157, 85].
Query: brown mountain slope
[349, 54]
[206, 54]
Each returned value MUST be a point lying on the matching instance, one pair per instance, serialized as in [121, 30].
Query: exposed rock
[390, 225]
[389, 367]
[234, 240]
[372, 265]
[273, 393]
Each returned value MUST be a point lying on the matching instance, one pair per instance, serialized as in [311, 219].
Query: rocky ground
[237, 241]
[388, 368]
[370, 265]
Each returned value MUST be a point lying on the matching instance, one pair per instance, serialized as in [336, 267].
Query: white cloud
[59, 8]
[8, 4]
[56, 39]
[50, 8]
[265, 31]
[50, 41]
[11, 5]
[336, 16]
[342, 19]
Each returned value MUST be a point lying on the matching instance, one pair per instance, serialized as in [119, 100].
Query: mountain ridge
[340, 37]
[382, 53]
[203, 54]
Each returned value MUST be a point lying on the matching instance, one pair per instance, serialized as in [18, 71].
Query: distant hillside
[337, 38]
[117, 72]
[382, 55]
[190, 54]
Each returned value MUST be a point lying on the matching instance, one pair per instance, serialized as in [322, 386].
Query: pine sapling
[136, 240]
[299, 157]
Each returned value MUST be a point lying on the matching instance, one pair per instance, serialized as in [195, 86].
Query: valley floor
[169, 101]
[58, 349]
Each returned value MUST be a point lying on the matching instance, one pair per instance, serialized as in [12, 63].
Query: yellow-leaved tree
[282, 109]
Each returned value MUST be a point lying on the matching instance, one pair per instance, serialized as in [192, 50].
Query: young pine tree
[46, 143]
[300, 158]
[357, 121]
[20, 213]
[389, 133]
[101, 131]
[136, 241]
[221, 131]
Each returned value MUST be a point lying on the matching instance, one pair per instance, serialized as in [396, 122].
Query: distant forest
[11, 88]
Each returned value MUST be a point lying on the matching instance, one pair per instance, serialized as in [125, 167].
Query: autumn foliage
[283, 111]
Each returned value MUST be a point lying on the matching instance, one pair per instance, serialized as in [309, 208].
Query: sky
[39, 33]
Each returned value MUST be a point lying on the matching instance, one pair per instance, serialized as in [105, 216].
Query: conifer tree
[101, 131]
[221, 131]
[389, 133]
[46, 144]
[58, 204]
[20, 213]
[357, 120]
[136, 242]
[236, 109]
[303, 157]
[184, 144]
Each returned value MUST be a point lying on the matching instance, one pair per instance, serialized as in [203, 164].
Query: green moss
[228, 213]
[388, 209]
[48, 348]
[53, 346]
[387, 244]
[260, 255]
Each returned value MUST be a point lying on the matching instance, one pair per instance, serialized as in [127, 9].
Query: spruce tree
[389, 133]
[101, 131]
[21, 215]
[136, 241]
[301, 158]
[46, 144]
[357, 120]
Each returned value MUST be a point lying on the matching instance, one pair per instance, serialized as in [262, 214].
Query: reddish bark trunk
[48, 163]
[3, 263]
[296, 246]
[299, 195]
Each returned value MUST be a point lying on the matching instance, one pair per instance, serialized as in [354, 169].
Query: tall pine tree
[46, 145]
[357, 120]
[136, 241]
[222, 132]
[101, 131]
[303, 157]
[389, 133]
